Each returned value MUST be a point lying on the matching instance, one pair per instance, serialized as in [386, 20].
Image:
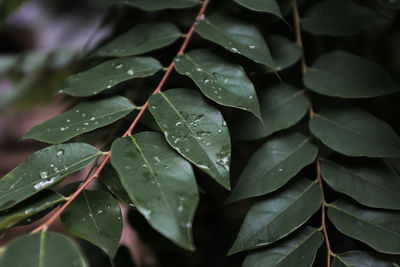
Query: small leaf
[40, 250]
[159, 182]
[341, 74]
[299, 249]
[84, 117]
[140, 39]
[284, 52]
[379, 229]
[281, 107]
[198, 132]
[111, 180]
[154, 5]
[109, 74]
[42, 169]
[354, 132]
[96, 217]
[363, 178]
[358, 258]
[269, 6]
[271, 166]
[237, 36]
[278, 215]
[224, 82]
[323, 19]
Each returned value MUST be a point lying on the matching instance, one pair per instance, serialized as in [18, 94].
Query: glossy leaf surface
[155, 5]
[358, 258]
[269, 6]
[285, 53]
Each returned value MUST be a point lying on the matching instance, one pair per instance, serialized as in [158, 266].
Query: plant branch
[188, 36]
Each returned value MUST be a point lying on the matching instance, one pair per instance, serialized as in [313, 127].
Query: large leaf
[44, 249]
[323, 19]
[281, 107]
[84, 117]
[285, 53]
[269, 6]
[345, 75]
[237, 36]
[297, 250]
[195, 129]
[271, 166]
[378, 228]
[363, 178]
[111, 180]
[43, 169]
[224, 82]
[279, 215]
[354, 132]
[96, 217]
[358, 258]
[109, 74]
[153, 5]
[160, 183]
[141, 39]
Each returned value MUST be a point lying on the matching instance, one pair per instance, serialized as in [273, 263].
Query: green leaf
[140, 39]
[42, 249]
[111, 180]
[278, 215]
[358, 258]
[109, 74]
[237, 36]
[341, 74]
[195, 129]
[154, 5]
[221, 81]
[273, 164]
[354, 132]
[297, 250]
[363, 178]
[32, 206]
[160, 183]
[96, 217]
[42, 169]
[323, 19]
[379, 229]
[269, 6]
[282, 106]
[84, 117]
[284, 52]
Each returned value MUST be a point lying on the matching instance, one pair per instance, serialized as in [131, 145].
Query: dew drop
[92, 118]
[130, 72]
[219, 131]
[119, 66]
[234, 49]
[250, 97]
[198, 69]
[252, 46]
[43, 175]
[68, 120]
[60, 153]
[280, 170]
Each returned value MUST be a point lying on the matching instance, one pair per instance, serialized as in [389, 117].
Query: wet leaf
[285, 53]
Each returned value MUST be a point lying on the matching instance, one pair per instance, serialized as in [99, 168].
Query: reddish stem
[46, 224]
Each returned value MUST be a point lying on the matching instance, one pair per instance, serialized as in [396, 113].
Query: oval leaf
[41, 250]
[96, 217]
[42, 169]
[224, 82]
[160, 183]
[285, 53]
[297, 250]
[140, 39]
[279, 215]
[345, 75]
[269, 6]
[109, 74]
[154, 5]
[377, 228]
[271, 166]
[357, 258]
[354, 132]
[84, 117]
[198, 132]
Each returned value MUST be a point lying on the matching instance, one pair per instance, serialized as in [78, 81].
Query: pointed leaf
[358, 258]
[271, 166]
[284, 52]
[379, 229]
[111, 180]
[299, 249]
[42, 169]
[159, 182]
[140, 39]
[237, 36]
[363, 178]
[96, 217]
[42, 249]
[109, 74]
[323, 19]
[281, 107]
[269, 6]
[224, 82]
[345, 75]
[154, 5]
[84, 117]
[278, 215]
[198, 132]
[354, 132]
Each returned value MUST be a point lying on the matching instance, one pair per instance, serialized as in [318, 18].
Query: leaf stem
[169, 70]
